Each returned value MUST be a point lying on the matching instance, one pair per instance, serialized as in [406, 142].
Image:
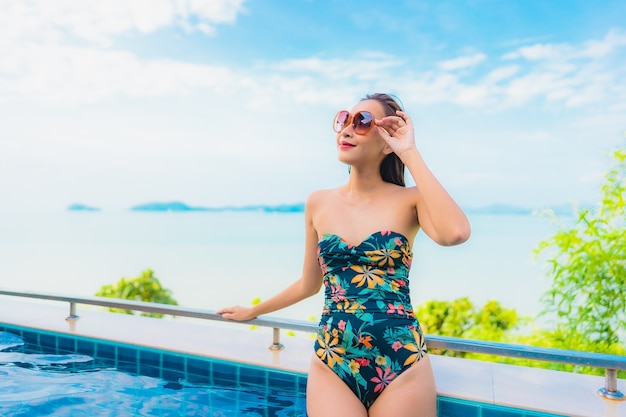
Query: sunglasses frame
[350, 120]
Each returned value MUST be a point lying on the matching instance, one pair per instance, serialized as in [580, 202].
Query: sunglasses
[362, 121]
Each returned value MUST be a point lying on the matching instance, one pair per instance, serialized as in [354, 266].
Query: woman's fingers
[228, 312]
[235, 313]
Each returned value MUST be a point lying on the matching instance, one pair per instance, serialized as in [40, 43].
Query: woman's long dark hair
[391, 168]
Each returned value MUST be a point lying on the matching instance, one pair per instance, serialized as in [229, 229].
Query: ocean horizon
[179, 206]
[211, 259]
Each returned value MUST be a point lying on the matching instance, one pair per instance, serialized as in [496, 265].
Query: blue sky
[116, 103]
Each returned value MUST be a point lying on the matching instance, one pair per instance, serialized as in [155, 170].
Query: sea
[213, 259]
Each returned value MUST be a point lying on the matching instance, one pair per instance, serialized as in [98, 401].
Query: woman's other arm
[440, 216]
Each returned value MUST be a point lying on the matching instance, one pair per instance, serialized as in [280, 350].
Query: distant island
[516, 210]
[179, 206]
[171, 206]
[499, 209]
[81, 207]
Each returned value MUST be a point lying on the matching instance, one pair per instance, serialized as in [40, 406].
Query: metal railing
[610, 363]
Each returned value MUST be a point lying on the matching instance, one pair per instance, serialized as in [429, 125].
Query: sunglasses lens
[363, 122]
[340, 120]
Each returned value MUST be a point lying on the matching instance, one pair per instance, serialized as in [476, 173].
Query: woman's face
[370, 147]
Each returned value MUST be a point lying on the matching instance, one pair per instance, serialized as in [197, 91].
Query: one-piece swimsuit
[368, 333]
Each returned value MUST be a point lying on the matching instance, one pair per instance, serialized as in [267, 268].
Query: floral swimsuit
[368, 333]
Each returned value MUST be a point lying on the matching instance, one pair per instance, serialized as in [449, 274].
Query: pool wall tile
[85, 347]
[48, 341]
[225, 373]
[497, 412]
[253, 376]
[66, 344]
[150, 358]
[449, 407]
[127, 354]
[30, 337]
[106, 351]
[282, 380]
[302, 380]
[152, 371]
[174, 362]
[198, 371]
[172, 375]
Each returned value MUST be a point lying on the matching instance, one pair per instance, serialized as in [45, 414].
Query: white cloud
[463, 62]
[369, 67]
[538, 52]
[591, 49]
[67, 74]
[573, 75]
[501, 74]
[597, 49]
[40, 63]
[98, 21]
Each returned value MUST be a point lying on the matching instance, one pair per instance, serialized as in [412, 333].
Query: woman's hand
[397, 131]
[237, 313]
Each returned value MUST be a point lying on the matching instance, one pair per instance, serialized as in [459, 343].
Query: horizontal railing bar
[169, 309]
[573, 357]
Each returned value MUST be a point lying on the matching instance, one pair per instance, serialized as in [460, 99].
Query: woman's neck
[363, 183]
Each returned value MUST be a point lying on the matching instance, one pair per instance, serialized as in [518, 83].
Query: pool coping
[491, 383]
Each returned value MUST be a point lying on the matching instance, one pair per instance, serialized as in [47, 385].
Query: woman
[369, 357]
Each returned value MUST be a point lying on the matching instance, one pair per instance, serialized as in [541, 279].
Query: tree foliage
[492, 322]
[460, 318]
[145, 287]
[587, 263]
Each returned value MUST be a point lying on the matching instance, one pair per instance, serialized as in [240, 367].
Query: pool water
[35, 382]
[50, 374]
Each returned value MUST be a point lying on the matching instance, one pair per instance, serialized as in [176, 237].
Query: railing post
[276, 345]
[73, 316]
[610, 390]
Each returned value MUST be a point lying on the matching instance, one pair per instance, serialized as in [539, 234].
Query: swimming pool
[52, 374]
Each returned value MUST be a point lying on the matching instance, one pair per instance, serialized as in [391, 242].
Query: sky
[230, 102]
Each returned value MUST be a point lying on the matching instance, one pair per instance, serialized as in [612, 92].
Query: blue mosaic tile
[66, 344]
[149, 358]
[449, 407]
[172, 375]
[252, 376]
[85, 347]
[106, 350]
[200, 367]
[127, 354]
[528, 413]
[225, 371]
[174, 362]
[499, 412]
[48, 341]
[30, 337]
[302, 379]
[282, 380]
[151, 371]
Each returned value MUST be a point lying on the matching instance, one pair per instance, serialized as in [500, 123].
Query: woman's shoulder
[404, 192]
[319, 200]
[320, 195]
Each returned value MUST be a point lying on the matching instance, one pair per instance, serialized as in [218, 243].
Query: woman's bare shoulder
[318, 196]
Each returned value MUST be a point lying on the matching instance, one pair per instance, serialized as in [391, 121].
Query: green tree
[563, 338]
[587, 263]
[146, 287]
[460, 318]
[492, 322]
